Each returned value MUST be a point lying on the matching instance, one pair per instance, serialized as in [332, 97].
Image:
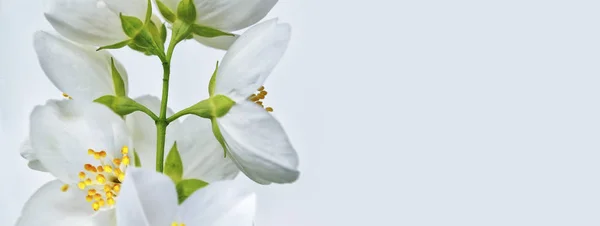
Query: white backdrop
[403, 112]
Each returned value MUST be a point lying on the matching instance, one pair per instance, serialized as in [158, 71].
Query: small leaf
[219, 136]
[211, 84]
[117, 79]
[123, 105]
[131, 25]
[208, 32]
[117, 45]
[163, 33]
[187, 187]
[138, 162]
[186, 11]
[173, 165]
[148, 13]
[165, 11]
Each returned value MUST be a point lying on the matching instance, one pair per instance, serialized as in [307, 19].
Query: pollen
[64, 188]
[259, 97]
[102, 179]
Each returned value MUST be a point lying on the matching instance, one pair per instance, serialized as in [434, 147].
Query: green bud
[165, 11]
[131, 25]
[185, 188]
[208, 32]
[186, 11]
[181, 31]
[173, 165]
[117, 79]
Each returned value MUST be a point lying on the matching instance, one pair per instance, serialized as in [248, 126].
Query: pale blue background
[403, 112]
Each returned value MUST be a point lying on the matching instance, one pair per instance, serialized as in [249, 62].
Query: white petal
[202, 155]
[231, 15]
[143, 131]
[220, 42]
[28, 153]
[49, 206]
[61, 133]
[258, 144]
[88, 22]
[219, 204]
[135, 8]
[251, 59]
[81, 72]
[147, 198]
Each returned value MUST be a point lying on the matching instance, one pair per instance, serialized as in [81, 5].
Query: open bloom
[226, 15]
[84, 74]
[255, 140]
[88, 149]
[93, 22]
[150, 199]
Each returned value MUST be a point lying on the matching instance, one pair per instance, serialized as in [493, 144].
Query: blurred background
[403, 112]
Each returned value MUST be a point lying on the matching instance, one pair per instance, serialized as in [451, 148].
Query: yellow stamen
[89, 198]
[97, 196]
[117, 161]
[108, 169]
[100, 169]
[117, 188]
[101, 179]
[107, 188]
[125, 160]
[97, 155]
[96, 206]
[88, 181]
[81, 175]
[92, 192]
[121, 177]
[81, 185]
[101, 202]
[125, 150]
[110, 201]
[90, 152]
[64, 188]
[102, 154]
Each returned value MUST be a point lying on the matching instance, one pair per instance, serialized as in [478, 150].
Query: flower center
[258, 98]
[103, 181]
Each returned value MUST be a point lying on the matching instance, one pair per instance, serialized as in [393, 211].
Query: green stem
[161, 123]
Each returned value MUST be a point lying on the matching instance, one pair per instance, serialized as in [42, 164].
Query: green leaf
[138, 162]
[186, 11]
[208, 32]
[117, 45]
[165, 11]
[131, 25]
[181, 31]
[117, 79]
[148, 13]
[187, 187]
[123, 105]
[173, 165]
[138, 48]
[156, 36]
[211, 84]
[219, 136]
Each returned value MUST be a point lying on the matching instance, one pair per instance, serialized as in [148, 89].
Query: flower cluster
[107, 150]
